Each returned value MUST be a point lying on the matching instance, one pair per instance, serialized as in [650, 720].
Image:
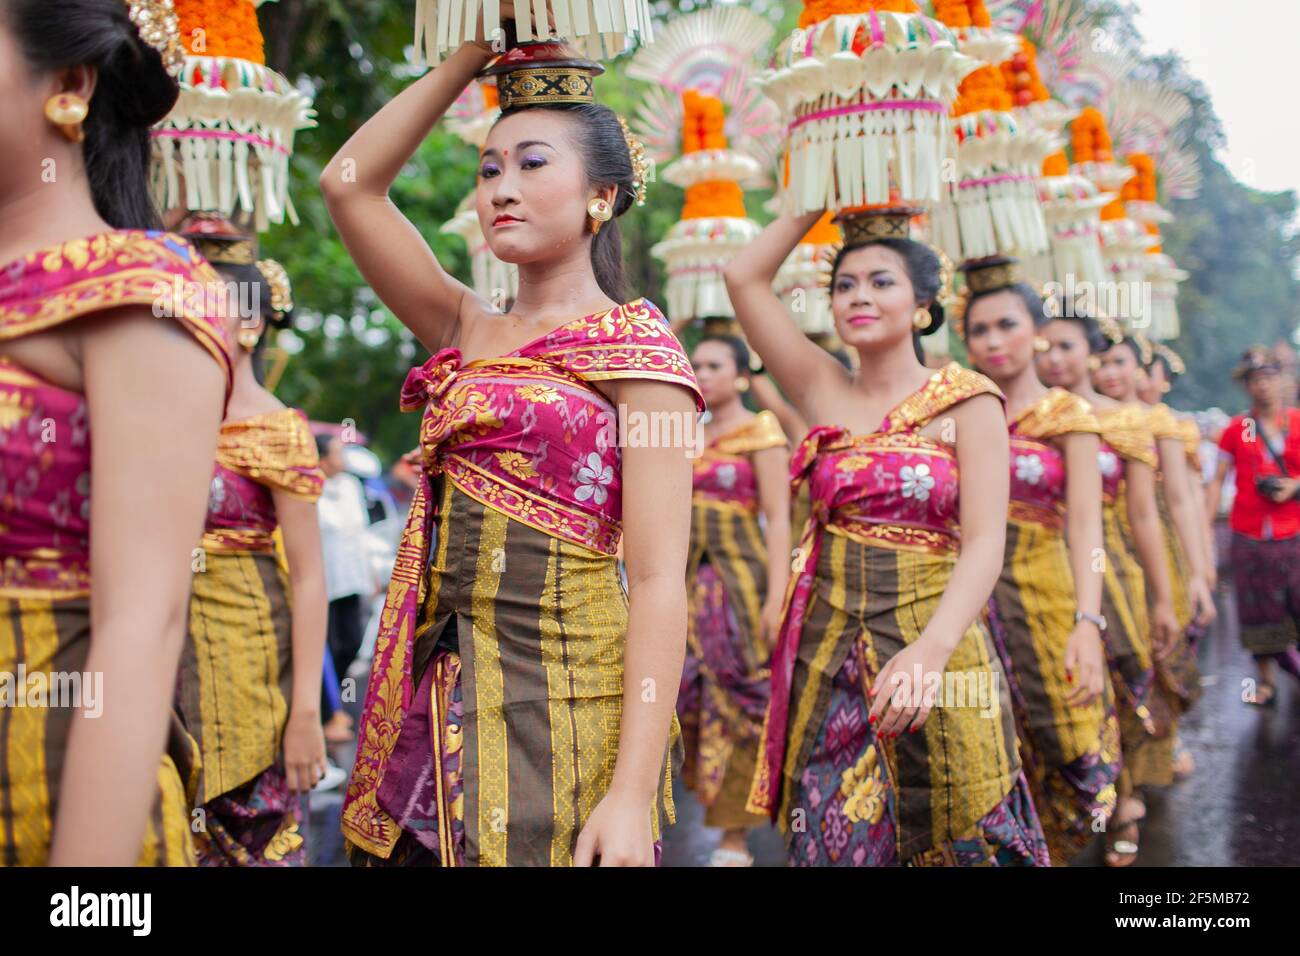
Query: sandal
[1265, 695]
[1122, 845]
[724, 857]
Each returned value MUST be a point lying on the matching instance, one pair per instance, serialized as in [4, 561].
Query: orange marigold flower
[221, 28]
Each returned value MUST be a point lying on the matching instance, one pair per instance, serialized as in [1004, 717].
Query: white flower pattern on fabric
[593, 477]
[1108, 462]
[727, 476]
[1029, 469]
[917, 481]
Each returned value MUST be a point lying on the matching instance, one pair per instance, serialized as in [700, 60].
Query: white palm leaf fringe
[1164, 277]
[695, 252]
[491, 277]
[858, 121]
[598, 29]
[1072, 210]
[227, 148]
[993, 207]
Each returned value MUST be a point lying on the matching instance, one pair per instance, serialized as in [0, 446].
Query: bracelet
[1091, 618]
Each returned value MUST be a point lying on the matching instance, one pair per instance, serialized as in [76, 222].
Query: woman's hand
[1085, 665]
[897, 703]
[617, 834]
[304, 750]
[769, 620]
[1164, 628]
[1203, 610]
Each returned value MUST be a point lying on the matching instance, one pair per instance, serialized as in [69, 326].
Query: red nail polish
[871, 719]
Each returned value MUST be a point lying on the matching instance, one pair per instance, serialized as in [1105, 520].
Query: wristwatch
[1093, 618]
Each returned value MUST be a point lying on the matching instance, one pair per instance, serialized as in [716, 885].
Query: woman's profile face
[24, 131]
[1117, 376]
[1065, 363]
[532, 191]
[1000, 335]
[1153, 384]
[872, 298]
[715, 370]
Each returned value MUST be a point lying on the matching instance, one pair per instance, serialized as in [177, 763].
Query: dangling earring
[921, 319]
[1041, 344]
[248, 338]
[68, 111]
[600, 212]
[742, 385]
[1094, 363]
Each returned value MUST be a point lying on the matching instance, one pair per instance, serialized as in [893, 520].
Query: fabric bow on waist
[428, 382]
[424, 388]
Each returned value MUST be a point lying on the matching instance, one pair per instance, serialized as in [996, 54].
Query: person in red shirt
[1263, 445]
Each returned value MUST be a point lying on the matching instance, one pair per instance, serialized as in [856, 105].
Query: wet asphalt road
[1240, 807]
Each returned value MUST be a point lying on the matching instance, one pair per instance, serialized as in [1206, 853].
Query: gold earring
[921, 319]
[68, 111]
[600, 212]
[742, 385]
[248, 338]
[1094, 363]
[1041, 344]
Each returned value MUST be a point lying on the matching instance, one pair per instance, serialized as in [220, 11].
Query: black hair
[323, 444]
[1158, 358]
[1133, 346]
[132, 92]
[606, 161]
[1091, 328]
[1022, 290]
[739, 350]
[923, 270]
[249, 276]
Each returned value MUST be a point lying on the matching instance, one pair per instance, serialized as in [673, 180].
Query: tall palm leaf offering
[865, 87]
[1052, 78]
[1147, 123]
[226, 145]
[991, 205]
[702, 110]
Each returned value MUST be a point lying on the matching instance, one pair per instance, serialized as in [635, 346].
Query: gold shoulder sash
[1057, 413]
[276, 450]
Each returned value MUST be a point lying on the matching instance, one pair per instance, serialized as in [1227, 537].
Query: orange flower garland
[1056, 165]
[1142, 187]
[702, 128]
[1022, 77]
[1089, 138]
[221, 28]
[815, 11]
[962, 13]
[985, 89]
[823, 233]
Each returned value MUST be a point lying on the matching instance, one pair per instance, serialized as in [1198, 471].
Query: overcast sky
[1245, 53]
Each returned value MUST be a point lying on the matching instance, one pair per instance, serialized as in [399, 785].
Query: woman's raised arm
[390, 252]
[798, 364]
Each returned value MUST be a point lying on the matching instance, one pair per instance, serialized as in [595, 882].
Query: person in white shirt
[349, 581]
